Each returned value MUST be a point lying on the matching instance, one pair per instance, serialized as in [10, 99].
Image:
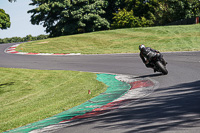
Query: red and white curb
[140, 88]
[12, 50]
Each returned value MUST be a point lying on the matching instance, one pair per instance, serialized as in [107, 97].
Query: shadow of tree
[173, 108]
[4, 85]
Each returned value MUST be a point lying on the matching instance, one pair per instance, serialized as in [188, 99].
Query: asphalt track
[172, 108]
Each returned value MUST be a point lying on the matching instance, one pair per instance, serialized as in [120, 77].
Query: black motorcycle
[159, 64]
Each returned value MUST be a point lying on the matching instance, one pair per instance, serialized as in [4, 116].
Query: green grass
[27, 96]
[165, 38]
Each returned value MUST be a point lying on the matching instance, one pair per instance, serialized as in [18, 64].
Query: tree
[69, 16]
[157, 12]
[142, 8]
[41, 37]
[126, 19]
[4, 20]
[12, 1]
[136, 13]
[28, 38]
[113, 6]
[195, 5]
[173, 10]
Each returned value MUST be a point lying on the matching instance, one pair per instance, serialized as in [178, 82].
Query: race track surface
[172, 108]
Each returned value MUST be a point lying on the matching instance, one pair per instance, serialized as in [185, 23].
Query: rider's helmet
[141, 47]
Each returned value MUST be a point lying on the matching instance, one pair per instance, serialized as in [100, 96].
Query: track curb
[12, 50]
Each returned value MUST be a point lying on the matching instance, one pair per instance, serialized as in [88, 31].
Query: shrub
[126, 19]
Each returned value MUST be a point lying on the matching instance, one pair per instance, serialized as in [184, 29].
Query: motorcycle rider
[147, 53]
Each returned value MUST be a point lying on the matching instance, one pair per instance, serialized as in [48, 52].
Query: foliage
[24, 39]
[12, 0]
[79, 16]
[69, 16]
[157, 12]
[4, 20]
[125, 19]
[195, 6]
[136, 13]
[173, 10]
[142, 8]
[112, 6]
[140, 14]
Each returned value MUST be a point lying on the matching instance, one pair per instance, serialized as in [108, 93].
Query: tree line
[69, 17]
[77, 16]
[23, 39]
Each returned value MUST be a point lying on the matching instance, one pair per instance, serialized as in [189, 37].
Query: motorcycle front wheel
[161, 67]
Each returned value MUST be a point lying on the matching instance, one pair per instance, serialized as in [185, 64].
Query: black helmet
[141, 46]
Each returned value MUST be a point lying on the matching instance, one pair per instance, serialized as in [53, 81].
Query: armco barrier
[194, 20]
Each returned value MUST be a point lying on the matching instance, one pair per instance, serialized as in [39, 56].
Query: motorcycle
[159, 64]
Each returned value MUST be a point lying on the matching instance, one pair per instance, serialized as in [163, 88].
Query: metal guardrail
[194, 20]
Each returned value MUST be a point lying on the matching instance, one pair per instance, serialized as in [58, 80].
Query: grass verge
[165, 38]
[27, 96]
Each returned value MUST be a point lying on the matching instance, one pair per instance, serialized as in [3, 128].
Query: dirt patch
[43, 42]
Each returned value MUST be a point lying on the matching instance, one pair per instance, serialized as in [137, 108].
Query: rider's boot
[154, 69]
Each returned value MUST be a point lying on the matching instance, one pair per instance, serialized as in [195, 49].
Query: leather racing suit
[147, 53]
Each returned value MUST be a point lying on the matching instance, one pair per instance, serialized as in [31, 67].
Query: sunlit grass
[166, 38]
[27, 96]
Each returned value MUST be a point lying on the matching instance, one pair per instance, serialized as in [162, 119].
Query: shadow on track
[170, 109]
